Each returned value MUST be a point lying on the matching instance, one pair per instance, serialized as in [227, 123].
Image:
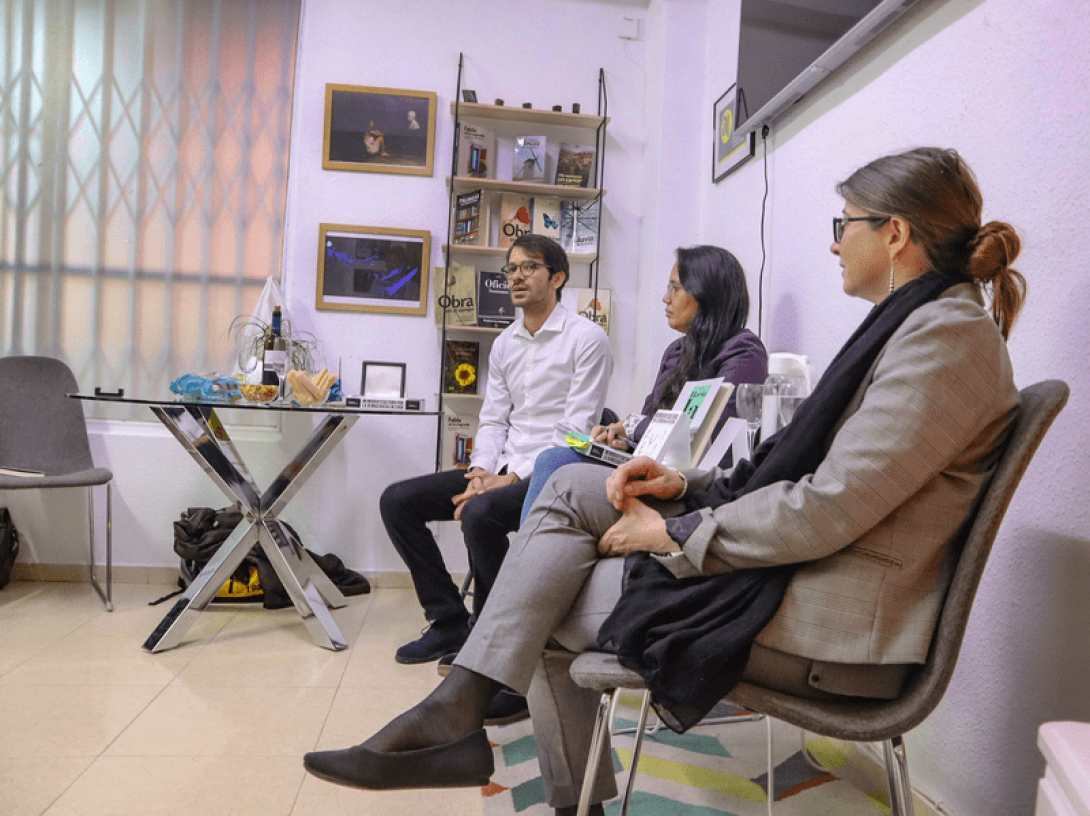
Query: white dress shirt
[559, 374]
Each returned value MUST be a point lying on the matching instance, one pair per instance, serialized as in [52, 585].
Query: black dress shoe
[464, 763]
[434, 643]
[506, 707]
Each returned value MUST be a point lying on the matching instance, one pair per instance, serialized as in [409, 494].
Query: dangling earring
[891, 268]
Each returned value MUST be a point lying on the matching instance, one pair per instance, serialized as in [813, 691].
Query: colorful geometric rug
[717, 770]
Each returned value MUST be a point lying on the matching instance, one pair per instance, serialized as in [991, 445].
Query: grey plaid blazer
[871, 529]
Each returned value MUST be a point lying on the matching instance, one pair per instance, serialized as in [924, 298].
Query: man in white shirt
[549, 366]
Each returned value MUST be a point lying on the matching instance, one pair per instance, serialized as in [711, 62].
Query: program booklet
[461, 368]
[476, 145]
[515, 219]
[528, 161]
[574, 165]
[494, 307]
[457, 295]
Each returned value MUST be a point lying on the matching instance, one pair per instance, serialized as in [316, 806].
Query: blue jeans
[546, 464]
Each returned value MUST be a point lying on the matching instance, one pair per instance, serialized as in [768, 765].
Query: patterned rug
[717, 770]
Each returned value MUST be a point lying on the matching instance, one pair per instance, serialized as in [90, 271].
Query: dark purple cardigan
[742, 359]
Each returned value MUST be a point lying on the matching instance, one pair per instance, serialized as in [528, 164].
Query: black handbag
[9, 546]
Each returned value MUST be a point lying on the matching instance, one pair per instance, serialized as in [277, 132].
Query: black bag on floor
[9, 546]
[200, 532]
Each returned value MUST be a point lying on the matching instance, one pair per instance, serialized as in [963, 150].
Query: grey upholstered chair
[42, 429]
[861, 720]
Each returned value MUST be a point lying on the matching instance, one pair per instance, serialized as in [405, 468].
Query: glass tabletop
[367, 405]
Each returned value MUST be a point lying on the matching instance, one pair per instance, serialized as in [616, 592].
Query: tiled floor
[92, 724]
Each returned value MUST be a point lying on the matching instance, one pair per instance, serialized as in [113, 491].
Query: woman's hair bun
[993, 250]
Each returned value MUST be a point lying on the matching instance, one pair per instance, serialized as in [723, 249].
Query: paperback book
[456, 295]
[574, 165]
[528, 161]
[546, 217]
[470, 226]
[584, 301]
[458, 433]
[494, 307]
[585, 237]
[515, 219]
[461, 368]
[567, 223]
[476, 145]
[703, 401]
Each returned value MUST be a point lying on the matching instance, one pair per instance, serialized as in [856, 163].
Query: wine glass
[791, 392]
[749, 399]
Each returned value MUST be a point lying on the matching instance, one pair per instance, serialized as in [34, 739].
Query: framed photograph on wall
[729, 152]
[372, 269]
[379, 130]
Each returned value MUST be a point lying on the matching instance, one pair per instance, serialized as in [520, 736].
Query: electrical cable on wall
[761, 274]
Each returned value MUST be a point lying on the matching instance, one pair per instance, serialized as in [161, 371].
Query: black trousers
[487, 519]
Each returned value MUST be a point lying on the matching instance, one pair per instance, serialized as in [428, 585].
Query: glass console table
[198, 429]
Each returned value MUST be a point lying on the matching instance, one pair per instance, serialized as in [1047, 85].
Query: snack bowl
[259, 393]
[305, 389]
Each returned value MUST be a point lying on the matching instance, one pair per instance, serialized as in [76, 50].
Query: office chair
[859, 719]
[43, 430]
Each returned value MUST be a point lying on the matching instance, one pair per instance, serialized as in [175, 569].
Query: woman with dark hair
[708, 302]
[818, 568]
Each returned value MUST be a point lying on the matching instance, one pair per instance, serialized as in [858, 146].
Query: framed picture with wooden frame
[729, 151]
[379, 130]
[372, 269]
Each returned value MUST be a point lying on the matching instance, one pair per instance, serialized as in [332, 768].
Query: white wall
[1006, 83]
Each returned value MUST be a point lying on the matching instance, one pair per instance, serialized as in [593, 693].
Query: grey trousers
[552, 595]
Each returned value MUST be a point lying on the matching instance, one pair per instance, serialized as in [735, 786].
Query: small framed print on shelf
[379, 130]
[372, 269]
[383, 380]
[729, 152]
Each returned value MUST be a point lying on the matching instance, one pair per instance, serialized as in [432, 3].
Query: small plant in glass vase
[251, 332]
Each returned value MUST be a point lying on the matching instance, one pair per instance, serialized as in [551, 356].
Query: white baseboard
[868, 759]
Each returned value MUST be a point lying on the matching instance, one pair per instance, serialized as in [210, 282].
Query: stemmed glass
[791, 392]
[749, 400]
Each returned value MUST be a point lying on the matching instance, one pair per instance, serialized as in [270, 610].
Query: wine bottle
[275, 366]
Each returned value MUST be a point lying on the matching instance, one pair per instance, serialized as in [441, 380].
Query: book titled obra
[494, 307]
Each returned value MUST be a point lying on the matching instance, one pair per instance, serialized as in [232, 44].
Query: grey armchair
[42, 429]
[862, 720]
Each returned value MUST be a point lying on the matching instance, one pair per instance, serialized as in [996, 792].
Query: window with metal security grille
[143, 171]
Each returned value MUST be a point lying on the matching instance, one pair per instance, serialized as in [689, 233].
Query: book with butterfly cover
[574, 165]
[545, 218]
[515, 219]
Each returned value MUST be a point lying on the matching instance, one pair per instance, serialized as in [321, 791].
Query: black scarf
[690, 639]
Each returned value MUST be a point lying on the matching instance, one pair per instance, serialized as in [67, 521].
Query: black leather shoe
[465, 763]
[435, 643]
[506, 707]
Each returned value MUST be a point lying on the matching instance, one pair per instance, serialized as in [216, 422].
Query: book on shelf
[459, 431]
[528, 160]
[584, 301]
[476, 147]
[515, 218]
[574, 165]
[461, 366]
[585, 227]
[22, 473]
[545, 217]
[456, 294]
[494, 306]
[470, 227]
[567, 223]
